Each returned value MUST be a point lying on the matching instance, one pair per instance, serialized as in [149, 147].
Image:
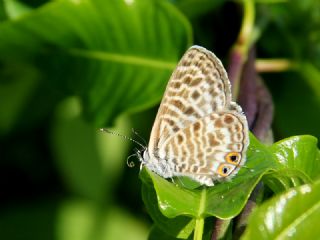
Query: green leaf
[294, 152]
[294, 214]
[224, 200]
[179, 227]
[299, 157]
[288, 160]
[98, 50]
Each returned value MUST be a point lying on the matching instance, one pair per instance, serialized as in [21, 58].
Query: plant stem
[241, 47]
[273, 65]
[220, 228]
[244, 38]
[198, 231]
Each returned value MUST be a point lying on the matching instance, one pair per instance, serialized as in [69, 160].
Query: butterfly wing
[198, 132]
[198, 86]
[212, 148]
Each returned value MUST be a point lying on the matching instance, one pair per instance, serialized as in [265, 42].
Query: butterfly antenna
[123, 136]
[141, 138]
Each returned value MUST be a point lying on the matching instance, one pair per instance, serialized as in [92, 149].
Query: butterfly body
[198, 132]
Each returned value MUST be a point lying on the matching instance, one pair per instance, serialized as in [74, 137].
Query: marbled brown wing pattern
[198, 132]
[198, 86]
[212, 148]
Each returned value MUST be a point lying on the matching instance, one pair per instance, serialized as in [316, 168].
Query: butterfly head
[143, 156]
[154, 163]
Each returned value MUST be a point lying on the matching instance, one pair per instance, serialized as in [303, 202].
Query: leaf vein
[123, 58]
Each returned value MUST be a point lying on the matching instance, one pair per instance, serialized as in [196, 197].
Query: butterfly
[199, 132]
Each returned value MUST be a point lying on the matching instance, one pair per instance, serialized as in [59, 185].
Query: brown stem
[255, 100]
[247, 95]
[242, 219]
[235, 66]
[220, 228]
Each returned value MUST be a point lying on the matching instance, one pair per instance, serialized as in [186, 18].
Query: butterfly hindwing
[210, 149]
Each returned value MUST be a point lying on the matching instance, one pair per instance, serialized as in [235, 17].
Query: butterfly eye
[233, 158]
[224, 170]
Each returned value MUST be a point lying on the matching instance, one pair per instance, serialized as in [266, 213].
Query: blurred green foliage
[69, 67]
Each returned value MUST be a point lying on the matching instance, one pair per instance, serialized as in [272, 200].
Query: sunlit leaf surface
[291, 215]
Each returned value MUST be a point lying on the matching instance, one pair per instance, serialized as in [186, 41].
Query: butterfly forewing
[198, 87]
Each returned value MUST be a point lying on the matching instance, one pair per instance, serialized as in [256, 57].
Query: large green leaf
[226, 199]
[115, 55]
[294, 214]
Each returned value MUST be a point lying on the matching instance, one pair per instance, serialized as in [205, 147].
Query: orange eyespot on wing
[233, 158]
[224, 170]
